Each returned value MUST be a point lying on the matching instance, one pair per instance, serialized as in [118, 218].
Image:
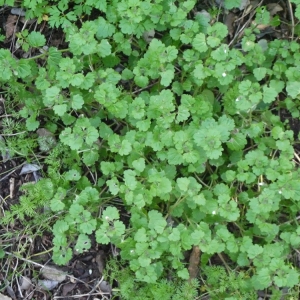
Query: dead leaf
[25, 283]
[105, 287]
[53, 273]
[18, 11]
[11, 292]
[194, 262]
[204, 13]
[274, 8]
[260, 26]
[47, 284]
[67, 288]
[11, 187]
[46, 139]
[3, 297]
[229, 21]
[29, 168]
[43, 132]
[149, 35]
[263, 43]
[243, 3]
[27, 21]
[10, 25]
[100, 260]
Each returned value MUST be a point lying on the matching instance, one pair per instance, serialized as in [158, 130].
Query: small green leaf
[113, 186]
[199, 199]
[90, 157]
[2, 253]
[24, 68]
[174, 236]
[51, 96]
[141, 81]
[184, 274]
[119, 228]
[110, 214]
[269, 94]
[107, 167]
[61, 255]
[290, 278]
[183, 183]
[56, 205]
[60, 109]
[104, 48]
[230, 4]
[174, 157]
[72, 175]
[182, 114]
[156, 221]
[125, 148]
[262, 279]
[262, 16]
[260, 73]
[141, 236]
[88, 195]
[101, 236]
[36, 39]
[293, 88]
[87, 226]
[60, 227]
[67, 138]
[144, 261]
[254, 250]
[199, 43]
[139, 164]
[83, 243]
[91, 135]
[105, 29]
[166, 77]
[237, 141]
[75, 210]
[77, 79]
[130, 180]
[32, 124]
[213, 41]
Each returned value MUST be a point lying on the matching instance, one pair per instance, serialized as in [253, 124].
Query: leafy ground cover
[150, 149]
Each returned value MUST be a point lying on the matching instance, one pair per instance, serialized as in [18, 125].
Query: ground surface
[85, 272]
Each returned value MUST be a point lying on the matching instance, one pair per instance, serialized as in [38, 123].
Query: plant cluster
[129, 288]
[181, 129]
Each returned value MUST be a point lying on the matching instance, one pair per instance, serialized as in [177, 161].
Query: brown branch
[194, 263]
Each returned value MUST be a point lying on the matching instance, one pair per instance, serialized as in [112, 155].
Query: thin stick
[297, 156]
[39, 265]
[292, 17]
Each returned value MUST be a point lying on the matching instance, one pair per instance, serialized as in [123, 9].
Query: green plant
[221, 285]
[129, 288]
[183, 129]
[35, 197]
